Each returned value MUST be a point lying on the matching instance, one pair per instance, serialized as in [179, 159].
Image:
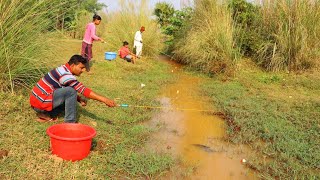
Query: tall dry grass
[209, 44]
[23, 46]
[290, 34]
[123, 24]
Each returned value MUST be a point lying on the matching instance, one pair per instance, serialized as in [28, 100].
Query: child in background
[126, 54]
[89, 37]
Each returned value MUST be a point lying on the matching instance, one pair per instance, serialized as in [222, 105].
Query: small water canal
[195, 137]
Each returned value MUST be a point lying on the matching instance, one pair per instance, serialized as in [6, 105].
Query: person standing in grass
[58, 91]
[89, 37]
[126, 54]
[138, 41]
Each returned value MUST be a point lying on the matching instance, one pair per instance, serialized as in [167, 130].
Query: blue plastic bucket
[110, 55]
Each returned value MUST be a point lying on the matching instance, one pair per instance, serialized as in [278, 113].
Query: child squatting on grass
[126, 54]
[89, 37]
[58, 91]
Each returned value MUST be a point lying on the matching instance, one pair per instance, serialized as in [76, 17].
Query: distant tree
[173, 22]
[178, 21]
[92, 6]
[164, 11]
[68, 15]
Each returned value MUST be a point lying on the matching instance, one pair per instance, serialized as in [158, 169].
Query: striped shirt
[41, 96]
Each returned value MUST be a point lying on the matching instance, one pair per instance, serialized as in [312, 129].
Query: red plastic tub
[71, 141]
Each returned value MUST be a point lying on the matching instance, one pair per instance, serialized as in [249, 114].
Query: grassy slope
[282, 110]
[119, 134]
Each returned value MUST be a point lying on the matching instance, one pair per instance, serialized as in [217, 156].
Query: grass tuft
[208, 46]
[24, 47]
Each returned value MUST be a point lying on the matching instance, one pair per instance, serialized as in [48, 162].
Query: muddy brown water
[195, 137]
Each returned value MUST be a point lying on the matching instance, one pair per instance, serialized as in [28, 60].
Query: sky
[113, 4]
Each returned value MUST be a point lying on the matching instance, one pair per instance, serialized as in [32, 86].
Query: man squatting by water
[58, 91]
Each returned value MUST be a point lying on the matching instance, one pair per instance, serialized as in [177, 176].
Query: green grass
[278, 115]
[120, 131]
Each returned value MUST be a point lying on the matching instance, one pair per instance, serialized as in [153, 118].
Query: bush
[289, 38]
[174, 23]
[209, 46]
[245, 16]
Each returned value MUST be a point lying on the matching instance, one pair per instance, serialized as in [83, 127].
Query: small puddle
[195, 137]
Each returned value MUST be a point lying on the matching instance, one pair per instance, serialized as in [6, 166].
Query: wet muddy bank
[194, 133]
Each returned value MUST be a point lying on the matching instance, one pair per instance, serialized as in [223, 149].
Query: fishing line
[168, 108]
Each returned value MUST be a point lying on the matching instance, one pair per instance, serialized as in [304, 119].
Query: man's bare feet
[45, 118]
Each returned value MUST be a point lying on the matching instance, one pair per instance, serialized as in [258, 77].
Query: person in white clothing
[138, 41]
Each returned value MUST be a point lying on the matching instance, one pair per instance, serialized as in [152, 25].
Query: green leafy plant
[245, 15]
[173, 23]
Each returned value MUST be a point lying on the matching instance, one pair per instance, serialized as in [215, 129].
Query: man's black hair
[125, 43]
[76, 59]
[96, 16]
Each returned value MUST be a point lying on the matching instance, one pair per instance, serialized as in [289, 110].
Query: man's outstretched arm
[103, 99]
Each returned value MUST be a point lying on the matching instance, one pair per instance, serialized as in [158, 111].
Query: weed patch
[281, 123]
